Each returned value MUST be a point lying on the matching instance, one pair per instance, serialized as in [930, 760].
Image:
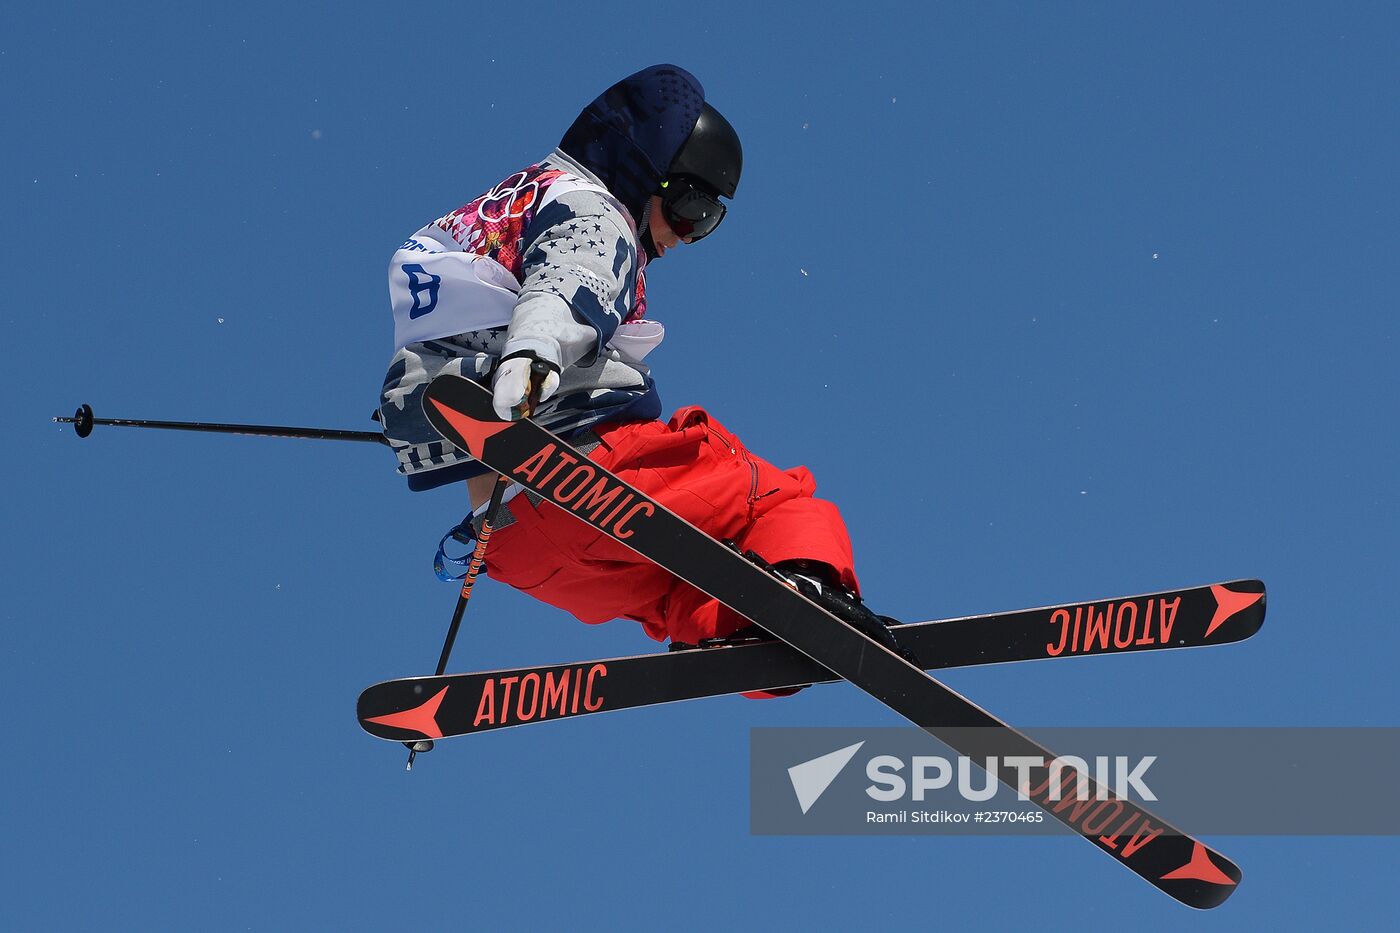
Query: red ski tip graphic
[475, 433]
[1200, 868]
[421, 718]
[1227, 604]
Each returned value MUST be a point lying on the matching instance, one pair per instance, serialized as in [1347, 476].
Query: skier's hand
[511, 386]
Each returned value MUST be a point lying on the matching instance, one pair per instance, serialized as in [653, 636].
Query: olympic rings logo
[510, 199]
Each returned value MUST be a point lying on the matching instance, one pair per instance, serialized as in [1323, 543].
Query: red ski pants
[703, 473]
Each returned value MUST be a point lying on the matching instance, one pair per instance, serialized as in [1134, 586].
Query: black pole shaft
[83, 423]
[483, 538]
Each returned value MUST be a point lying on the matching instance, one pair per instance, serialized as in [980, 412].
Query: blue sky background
[1058, 301]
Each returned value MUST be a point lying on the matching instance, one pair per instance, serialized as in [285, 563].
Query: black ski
[414, 708]
[530, 455]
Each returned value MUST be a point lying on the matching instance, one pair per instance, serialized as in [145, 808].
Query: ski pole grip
[538, 371]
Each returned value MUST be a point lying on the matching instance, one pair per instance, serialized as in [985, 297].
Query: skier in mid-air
[548, 267]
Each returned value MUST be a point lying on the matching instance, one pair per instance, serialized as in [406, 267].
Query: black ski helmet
[711, 154]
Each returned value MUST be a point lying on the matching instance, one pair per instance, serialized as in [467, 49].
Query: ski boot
[818, 583]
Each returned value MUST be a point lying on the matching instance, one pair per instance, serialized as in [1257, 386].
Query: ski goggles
[692, 212]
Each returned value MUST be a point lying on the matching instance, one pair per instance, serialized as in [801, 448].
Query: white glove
[511, 387]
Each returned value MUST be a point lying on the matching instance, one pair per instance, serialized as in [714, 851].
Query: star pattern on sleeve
[587, 260]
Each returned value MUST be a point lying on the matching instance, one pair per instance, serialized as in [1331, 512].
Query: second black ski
[413, 708]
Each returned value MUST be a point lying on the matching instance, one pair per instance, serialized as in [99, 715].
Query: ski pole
[483, 538]
[83, 422]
